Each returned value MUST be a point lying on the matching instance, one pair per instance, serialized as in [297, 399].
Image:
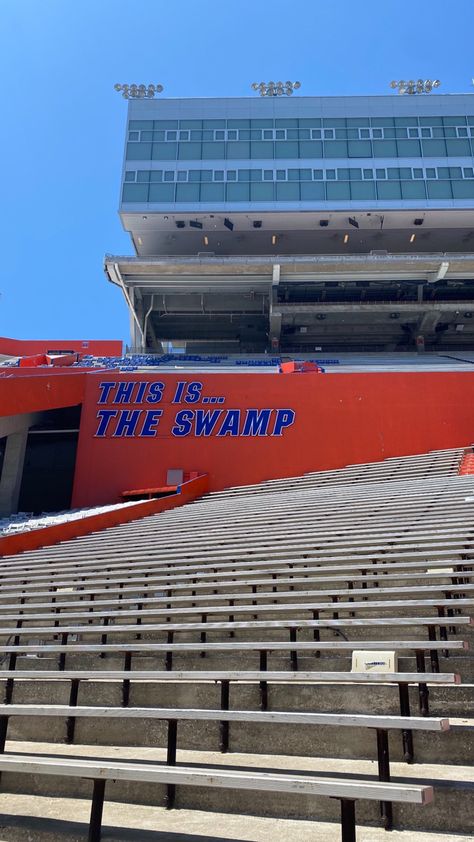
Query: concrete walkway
[28, 818]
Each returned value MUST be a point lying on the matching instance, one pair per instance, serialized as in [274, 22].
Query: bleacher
[212, 657]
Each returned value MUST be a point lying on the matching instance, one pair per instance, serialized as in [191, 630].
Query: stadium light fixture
[418, 86]
[346, 238]
[138, 91]
[274, 239]
[275, 88]
[412, 238]
[206, 240]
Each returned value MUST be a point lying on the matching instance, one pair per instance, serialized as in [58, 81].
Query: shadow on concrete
[17, 828]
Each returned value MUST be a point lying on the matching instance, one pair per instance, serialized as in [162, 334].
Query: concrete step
[24, 818]
[452, 810]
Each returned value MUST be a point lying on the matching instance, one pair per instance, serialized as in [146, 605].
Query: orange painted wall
[33, 390]
[340, 419]
[26, 347]
[49, 535]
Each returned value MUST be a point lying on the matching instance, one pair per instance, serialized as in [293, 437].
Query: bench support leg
[263, 684]
[3, 732]
[71, 720]
[383, 758]
[348, 827]
[95, 824]
[407, 735]
[171, 760]
[423, 691]
[224, 729]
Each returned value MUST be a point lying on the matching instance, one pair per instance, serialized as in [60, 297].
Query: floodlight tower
[275, 88]
[420, 86]
[138, 91]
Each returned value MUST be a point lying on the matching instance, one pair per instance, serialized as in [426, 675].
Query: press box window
[368, 174]
[317, 175]
[364, 133]
[169, 175]
[134, 135]
[268, 175]
[182, 175]
[330, 175]
[468, 172]
[377, 133]
[426, 132]
[281, 175]
[184, 135]
[232, 134]
[171, 135]
[315, 134]
[380, 174]
[231, 175]
[430, 172]
[417, 173]
[329, 134]
[219, 135]
[268, 134]
[219, 175]
[130, 175]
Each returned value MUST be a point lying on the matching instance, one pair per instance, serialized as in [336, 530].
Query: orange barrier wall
[28, 347]
[188, 491]
[339, 419]
[33, 390]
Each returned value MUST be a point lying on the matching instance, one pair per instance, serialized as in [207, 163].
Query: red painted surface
[33, 390]
[12, 544]
[467, 464]
[27, 347]
[47, 359]
[340, 419]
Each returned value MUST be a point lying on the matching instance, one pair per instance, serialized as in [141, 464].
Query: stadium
[237, 554]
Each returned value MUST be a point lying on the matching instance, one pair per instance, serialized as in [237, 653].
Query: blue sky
[63, 124]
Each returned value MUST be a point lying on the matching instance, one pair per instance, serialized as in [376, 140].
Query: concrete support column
[12, 472]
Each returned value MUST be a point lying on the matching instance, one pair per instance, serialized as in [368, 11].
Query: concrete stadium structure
[258, 614]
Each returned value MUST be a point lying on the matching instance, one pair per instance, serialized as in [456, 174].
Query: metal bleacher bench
[347, 791]
[379, 724]
[228, 677]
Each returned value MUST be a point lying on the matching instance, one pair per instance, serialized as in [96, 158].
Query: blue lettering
[140, 392]
[179, 391]
[105, 416]
[194, 392]
[183, 423]
[124, 392]
[127, 423]
[156, 392]
[206, 421]
[152, 419]
[256, 422]
[105, 391]
[284, 418]
[231, 423]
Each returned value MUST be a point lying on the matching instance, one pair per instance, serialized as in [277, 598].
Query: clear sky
[63, 124]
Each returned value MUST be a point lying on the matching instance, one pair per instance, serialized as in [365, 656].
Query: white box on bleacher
[364, 660]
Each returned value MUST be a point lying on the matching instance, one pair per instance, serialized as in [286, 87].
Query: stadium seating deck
[224, 630]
